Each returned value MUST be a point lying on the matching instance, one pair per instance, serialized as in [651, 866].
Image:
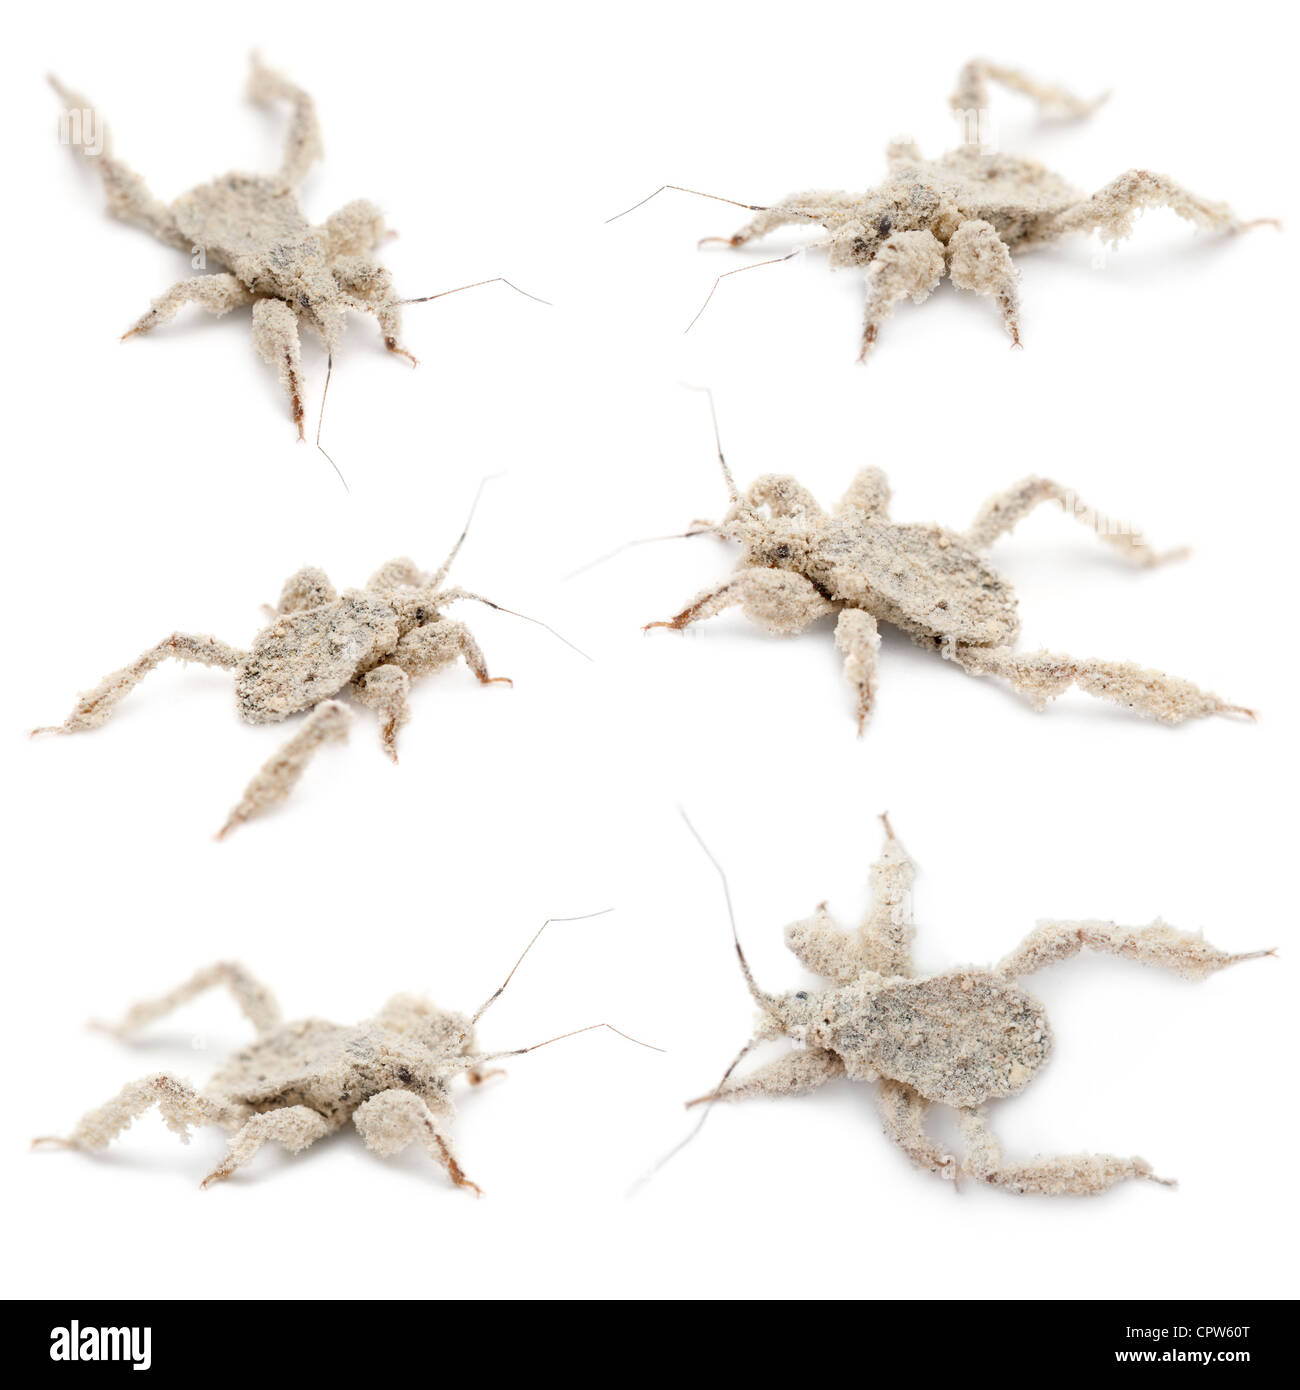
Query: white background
[157, 485]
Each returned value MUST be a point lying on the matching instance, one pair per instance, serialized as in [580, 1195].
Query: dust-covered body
[391, 1075]
[800, 563]
[371, 643]
[297, 1082]
[959, 1037]
[962, 215]
[257, 247]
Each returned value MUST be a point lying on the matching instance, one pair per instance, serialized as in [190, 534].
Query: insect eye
[420, 615]
[801, 995]
[885, 227]
[782, 552]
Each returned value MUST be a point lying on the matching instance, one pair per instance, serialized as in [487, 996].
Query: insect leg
[907, 264]
[972, 92]
[391, 1120]
[278, 776]
[1054, 1175]
[902, 1112]
[1007, 509]
[255, 1001]
[302, 145]
[275, 336]
[129, 198]
[978, 260]
[179, 1104]
[218, 294]
[858, 638]
[780, 600]
[1043, 675]
[295, 1126]
[792, 1075]
[1158, 944]
[95, 706]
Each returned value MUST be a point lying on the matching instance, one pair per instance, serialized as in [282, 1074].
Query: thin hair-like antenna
[453, 595]
[573, 1033]
[732, 489]
[735, 935]
[495, 280]
[694, 192]
[740, 270]
[464, 531]
[329, 372]
[699, 1124]
[641, 540]
[500, 990]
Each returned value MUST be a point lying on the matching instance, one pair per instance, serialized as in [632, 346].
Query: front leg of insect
[392, 1120]
[979, 260]
[908, 265]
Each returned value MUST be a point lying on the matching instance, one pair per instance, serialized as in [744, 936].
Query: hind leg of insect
[807, 209]
[95, 706]
[278, 776]
[255, 1000]
[302, 143]
[902, 1112]
[1052, 1175]
[779, 600]
[979, 260]
[275, 336]
[295, 1126]
[972, 92]
[179, 1104]
[1002, 512]
[128, 196]
[1042, 676]
[218, 294]
[1157, 944]
[908, 264]
[1112, 209]
[791, 1075]
[391, 1120]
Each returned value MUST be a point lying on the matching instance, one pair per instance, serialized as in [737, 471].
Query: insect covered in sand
[373, 642]
[959, 1037]
[963, 214]
[297, 1082]
[800, 564]
[291, 272]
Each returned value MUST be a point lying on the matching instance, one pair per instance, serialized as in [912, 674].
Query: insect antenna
[460, 540]
[329, 372]
[495, 280]
[759, 997]
[744, 1052]
[700, 530]
[573, 1033]
[694, 192]
[500, 990]
[699, 1124]
[733, 492]
[454, 595]
[740, 270]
